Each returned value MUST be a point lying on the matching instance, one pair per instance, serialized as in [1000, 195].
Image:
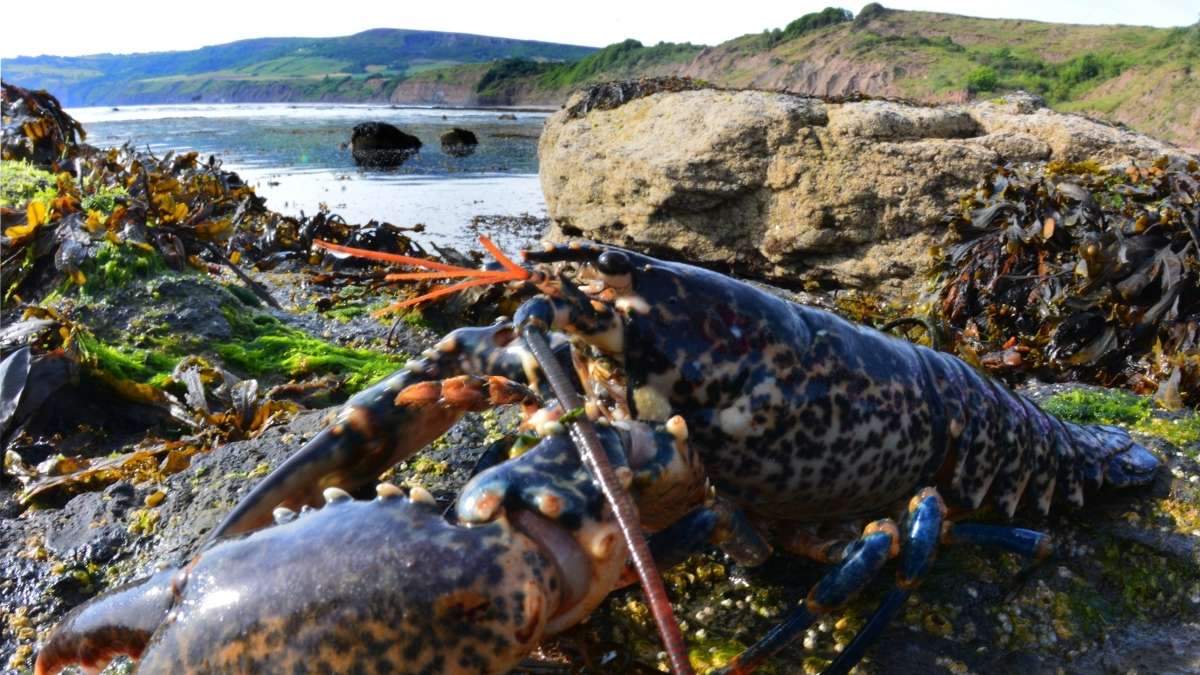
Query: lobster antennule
[512, 271]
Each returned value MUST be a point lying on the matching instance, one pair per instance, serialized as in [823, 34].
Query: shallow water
[293, 155]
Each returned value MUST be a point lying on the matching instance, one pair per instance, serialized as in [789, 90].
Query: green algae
[22, 182]
[1142, 582]
[124, 362]
[1122, 408]
[104, 199]
[1098, 407]
[263, 345]
[115, 265]
[244, 295]
[426, 466]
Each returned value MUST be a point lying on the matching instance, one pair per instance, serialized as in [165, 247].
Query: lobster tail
[119, 622]
[1121, 461]
[1005, 450]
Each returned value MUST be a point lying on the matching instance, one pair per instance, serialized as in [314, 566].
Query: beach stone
[794, 190]
[381, 145]
[459, 142]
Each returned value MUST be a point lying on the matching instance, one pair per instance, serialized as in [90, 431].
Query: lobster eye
[614, 262]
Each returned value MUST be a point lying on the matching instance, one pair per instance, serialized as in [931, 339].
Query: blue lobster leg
[923, 533]
[1028, 543]
[860, 563]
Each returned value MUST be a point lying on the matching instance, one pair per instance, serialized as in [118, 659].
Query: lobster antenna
[592, 455]
[511, 272]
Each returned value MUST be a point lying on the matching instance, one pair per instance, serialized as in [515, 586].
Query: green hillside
[364, 65]
[1147, 78]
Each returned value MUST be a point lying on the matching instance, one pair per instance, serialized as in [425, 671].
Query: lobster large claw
[386, 585]
[381, 426]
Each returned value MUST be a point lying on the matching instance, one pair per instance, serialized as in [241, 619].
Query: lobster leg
[924, 532]
[383, 425]
[860, 564]
[1029, 543]
[721, 526]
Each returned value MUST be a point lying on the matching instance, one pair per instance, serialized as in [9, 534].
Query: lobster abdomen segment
[1004, 447]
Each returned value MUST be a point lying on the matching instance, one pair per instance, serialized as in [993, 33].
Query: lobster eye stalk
[593, 457]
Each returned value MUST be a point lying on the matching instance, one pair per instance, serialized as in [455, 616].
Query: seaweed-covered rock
[35, 127]
[381, 145]
[791, 189]
[459, 142]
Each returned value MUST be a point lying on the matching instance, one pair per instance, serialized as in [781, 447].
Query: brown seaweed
[1070, 271]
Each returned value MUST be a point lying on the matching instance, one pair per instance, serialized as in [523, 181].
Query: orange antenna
[511, 272]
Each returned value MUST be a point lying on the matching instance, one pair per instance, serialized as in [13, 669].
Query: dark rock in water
[459, 142]
[381, 145]
[506, 116]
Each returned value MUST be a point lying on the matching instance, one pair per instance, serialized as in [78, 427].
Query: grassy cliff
[1148, 78]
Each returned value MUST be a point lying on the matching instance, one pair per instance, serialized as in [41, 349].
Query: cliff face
[823, 72]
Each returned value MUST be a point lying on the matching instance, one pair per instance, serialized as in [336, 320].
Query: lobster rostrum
[800, 428]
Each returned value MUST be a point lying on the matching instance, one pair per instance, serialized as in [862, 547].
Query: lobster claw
[381, 426]
[550, 494]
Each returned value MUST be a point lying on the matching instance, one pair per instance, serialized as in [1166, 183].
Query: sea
[297, 156]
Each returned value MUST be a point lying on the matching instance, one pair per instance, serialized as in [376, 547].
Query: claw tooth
[547, 247]
[625, 475]
[388, 491]
[421, 495]
[430, 354]
[549, 504]
[283, 515]
[483, 508]
[335, 494]
[551, 428]
[677, 428]
[447, 345]
[601, 546]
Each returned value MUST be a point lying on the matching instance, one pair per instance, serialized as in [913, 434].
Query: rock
[791, 189]
[506, 116]
[36, 128]
[459, 142]
[381, 145]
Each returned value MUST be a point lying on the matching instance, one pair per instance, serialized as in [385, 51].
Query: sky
[160, 25]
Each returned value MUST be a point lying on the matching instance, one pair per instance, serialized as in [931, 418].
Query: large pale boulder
[793, 189]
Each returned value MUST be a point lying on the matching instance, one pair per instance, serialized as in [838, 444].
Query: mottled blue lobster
[736, 419]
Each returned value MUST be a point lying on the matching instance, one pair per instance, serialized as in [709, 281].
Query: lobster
[800, 427]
